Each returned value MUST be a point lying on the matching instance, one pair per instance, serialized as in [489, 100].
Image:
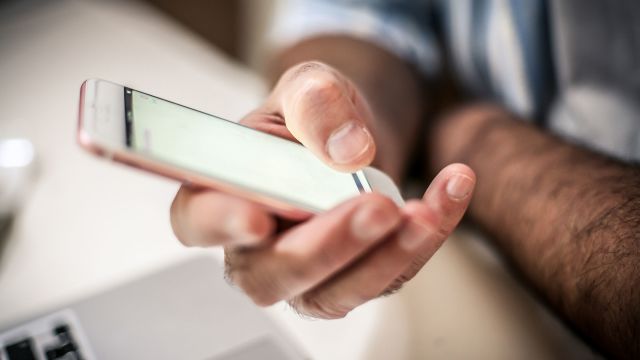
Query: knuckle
[438, 230]
[311, 268]
[438, 221]
[322, 307]
[323, 90]
[436, 237]
[442, 233]
[262, 116]
[306, 67]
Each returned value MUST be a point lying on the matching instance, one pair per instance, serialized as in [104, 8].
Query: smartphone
[160, 136]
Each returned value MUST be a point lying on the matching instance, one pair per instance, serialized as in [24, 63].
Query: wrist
[457, 136]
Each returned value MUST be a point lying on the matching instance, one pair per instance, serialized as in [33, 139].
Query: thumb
[327, 114]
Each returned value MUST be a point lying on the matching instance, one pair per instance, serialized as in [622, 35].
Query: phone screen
[235, 154]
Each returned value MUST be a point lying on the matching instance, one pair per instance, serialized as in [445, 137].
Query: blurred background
[237, 28]
[75, 226]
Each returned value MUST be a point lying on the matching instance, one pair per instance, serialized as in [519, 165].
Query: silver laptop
[186, 311]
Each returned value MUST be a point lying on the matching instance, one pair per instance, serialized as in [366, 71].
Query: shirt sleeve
[399, 26]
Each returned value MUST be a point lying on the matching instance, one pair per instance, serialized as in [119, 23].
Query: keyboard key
[21, 350]
[66, 349]
[62, 354]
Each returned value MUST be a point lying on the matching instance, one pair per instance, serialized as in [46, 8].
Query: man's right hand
[331, 263]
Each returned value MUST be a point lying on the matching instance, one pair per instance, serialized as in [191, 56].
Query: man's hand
[335, 261]
[317, 106]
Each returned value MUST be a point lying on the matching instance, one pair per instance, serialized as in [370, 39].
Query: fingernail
[370, 223]
[414, 236]
[348, 143]
[459, 187]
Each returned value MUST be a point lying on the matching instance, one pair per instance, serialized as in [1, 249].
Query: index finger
[201, 217]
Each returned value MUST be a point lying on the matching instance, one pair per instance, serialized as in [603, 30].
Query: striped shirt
[523, 54]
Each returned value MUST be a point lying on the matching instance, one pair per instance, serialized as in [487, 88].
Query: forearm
[568, 217]
[392, 88]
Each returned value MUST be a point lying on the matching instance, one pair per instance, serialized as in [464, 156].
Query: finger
[443, 206]
[207, 218]
[447, 198]
[326, 113]
[371, 275]
[397, 260]
[313, 251]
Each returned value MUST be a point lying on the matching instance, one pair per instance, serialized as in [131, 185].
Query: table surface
[88, 225]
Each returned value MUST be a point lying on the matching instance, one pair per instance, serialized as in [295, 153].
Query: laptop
[186, 311]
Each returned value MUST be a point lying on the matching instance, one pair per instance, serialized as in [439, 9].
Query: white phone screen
[232, 153]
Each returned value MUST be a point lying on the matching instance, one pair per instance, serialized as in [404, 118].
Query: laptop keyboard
[53, 337]
[59, 336]
[65, 347]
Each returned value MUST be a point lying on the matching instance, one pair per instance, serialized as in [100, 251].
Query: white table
[89, 225]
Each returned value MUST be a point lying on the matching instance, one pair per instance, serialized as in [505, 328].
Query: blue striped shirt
[497, 46]
[529, 55]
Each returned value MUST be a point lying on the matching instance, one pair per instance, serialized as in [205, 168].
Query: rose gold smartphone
[169, 139]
